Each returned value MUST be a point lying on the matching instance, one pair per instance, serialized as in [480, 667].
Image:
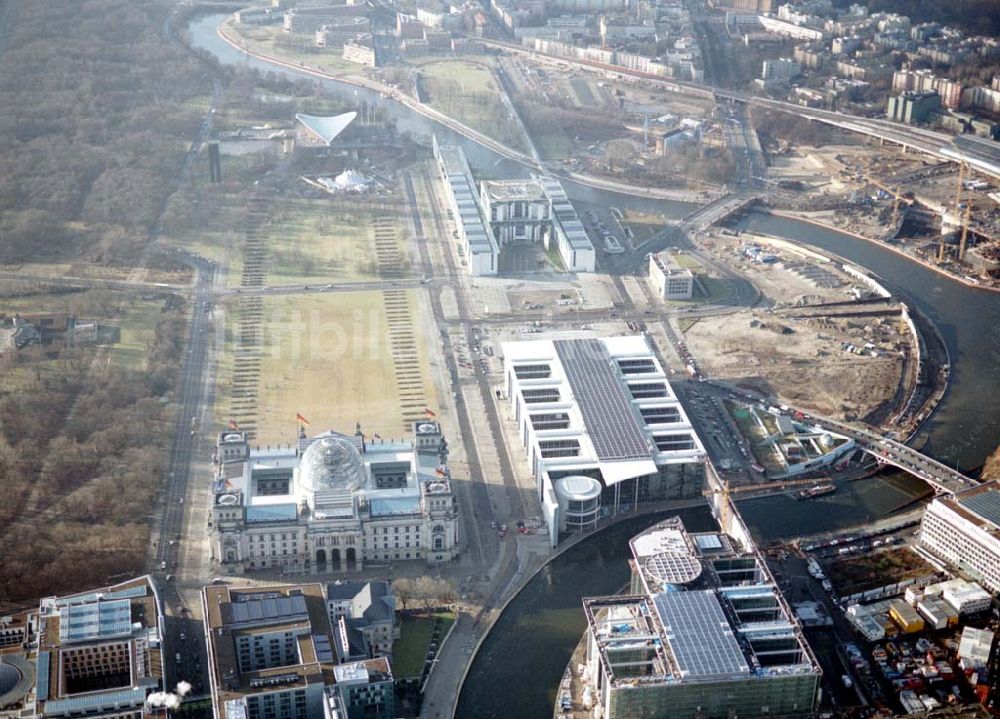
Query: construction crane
[965, 230]
[897, 197]
[958, 208]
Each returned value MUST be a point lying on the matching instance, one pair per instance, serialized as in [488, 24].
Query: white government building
[333, 502]
[510, 211]
[963, 529]
[668, 279]
[601, 426]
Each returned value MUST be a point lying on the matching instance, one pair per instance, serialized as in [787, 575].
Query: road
[927, 141]
[441, 692]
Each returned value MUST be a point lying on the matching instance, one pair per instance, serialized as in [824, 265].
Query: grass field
[138, 328]
[410, 650]
[643, 225]
[469, 93]
[328, 358]
[135, 317]
[272, 40]
[711, 291]
[318, 241]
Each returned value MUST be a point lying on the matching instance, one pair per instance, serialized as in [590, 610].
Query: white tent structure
[346, 181]
[326, 129]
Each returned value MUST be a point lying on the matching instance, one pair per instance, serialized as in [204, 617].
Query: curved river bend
[518, 669]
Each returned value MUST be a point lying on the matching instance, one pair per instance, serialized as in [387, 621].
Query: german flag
[429, 413]
[440, 472]
[233, 425]
[302, 419]
[376, 436]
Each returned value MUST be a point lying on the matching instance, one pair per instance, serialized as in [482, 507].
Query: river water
[518, 669]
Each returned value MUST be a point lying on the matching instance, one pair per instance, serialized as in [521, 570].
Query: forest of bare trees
[99, 110]
[97, 115]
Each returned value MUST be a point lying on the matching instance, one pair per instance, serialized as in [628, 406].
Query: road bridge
[941, 477]
[937, 144]
[717, 210]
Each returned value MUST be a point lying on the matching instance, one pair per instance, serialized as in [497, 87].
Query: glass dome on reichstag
[332, 462]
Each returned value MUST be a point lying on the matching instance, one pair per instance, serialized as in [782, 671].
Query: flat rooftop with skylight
[100, 653]
[703, 632]
[600, 408]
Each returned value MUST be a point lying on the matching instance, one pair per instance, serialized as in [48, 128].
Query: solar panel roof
[270, 609]
[42, 686]
[98, 701]
[83, 622]
[985, 504]
[700, 638]
[607, 413]
[130, 593]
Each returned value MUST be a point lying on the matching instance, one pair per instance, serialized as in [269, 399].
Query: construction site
[940, 212]
[824, 337]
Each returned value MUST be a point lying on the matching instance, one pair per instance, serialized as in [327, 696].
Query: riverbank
[808, 218]
[487, 620]
[225, 32]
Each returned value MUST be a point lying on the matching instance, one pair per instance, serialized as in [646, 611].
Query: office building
[703, 632]
[914, 107]
[362, 50]
[270, 651]
[963, 530]
[478, 243]
[924, 81]
[338, 32]
[571, 239]
[311, 19]
[334, 501]
[668, 279]
[365, 614]
[754, 6]
[517, 210]
[505, 212]
[365, 690]
[778, 72]
[599, 408]
[101, 653]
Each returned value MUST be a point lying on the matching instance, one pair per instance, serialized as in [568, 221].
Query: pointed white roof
[326, 128]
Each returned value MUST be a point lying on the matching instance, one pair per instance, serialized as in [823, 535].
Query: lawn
[643, 226]
[766, 455]
[685, 260]
[327, 357]
[410, 650]
[272, 40]
[138, 328]
[135, 317]
[469, 93]
[707, 291]
[321, 241]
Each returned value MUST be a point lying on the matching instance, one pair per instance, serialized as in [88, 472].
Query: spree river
[517, 671]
